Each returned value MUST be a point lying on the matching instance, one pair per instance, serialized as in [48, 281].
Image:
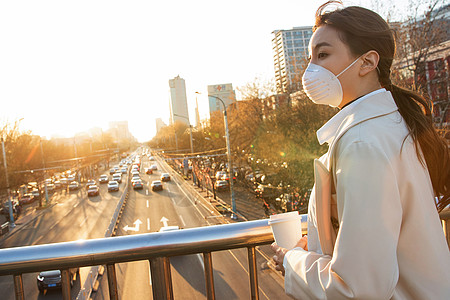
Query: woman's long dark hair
[364, 30]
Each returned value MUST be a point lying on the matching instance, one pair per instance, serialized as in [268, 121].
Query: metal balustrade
[156, 247]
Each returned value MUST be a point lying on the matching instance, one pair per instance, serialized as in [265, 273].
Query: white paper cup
[286, 229]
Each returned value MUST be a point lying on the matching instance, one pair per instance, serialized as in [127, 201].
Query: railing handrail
[27, 259]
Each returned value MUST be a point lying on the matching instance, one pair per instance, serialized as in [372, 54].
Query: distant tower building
[119, 130]
[178, 101]
[224, 92]
[159, 124]
[197, 114]
[290, 53]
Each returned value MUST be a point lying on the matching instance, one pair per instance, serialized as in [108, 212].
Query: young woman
[373, 225]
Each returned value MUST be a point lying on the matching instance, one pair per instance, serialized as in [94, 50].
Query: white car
[113, 186]
[117, 177]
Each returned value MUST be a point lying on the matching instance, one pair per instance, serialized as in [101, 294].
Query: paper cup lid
[284, 216]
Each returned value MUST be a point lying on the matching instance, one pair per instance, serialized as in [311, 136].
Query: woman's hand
[280, 252]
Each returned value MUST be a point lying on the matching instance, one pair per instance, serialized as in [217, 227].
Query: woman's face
[327, 50]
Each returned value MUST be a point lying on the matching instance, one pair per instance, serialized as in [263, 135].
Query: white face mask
[322, 86]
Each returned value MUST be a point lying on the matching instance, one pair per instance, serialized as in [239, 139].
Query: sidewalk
[29, 214]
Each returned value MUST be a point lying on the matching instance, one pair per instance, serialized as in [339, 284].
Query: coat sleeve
[364, 262]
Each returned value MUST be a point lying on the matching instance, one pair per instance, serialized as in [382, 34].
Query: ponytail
[364, 30]
[432, 150]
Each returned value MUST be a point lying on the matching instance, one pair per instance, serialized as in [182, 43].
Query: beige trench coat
[379, 236]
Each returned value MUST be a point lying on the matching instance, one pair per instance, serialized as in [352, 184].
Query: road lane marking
[182, 221]
[259, 288]
[146, 192]
[76, 205]
[147, 204]
[148, 224]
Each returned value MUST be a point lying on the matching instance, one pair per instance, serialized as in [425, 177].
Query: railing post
[112, 281]
[65, 282]
[253, 273]
[209, 278]
[161, 278]
[18, 287]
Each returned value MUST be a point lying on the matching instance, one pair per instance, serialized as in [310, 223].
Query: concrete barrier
[90, 283]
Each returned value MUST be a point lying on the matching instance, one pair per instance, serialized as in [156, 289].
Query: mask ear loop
[348, 66]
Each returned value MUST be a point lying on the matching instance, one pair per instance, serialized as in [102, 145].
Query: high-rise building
[290, 55]
[178, 101]
[159, 124]
[119, 130]
[224, 92]
[197, 114]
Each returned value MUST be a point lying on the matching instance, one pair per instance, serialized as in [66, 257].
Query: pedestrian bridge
[154, 247]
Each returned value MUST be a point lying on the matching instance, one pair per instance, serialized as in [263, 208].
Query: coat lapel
[372, 107]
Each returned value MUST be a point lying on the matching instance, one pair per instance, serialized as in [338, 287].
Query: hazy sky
[67, 66]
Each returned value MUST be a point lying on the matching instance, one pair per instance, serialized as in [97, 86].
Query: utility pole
[230, 166]
[11, 215]
[45, 173]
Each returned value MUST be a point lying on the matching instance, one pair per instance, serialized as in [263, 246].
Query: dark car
[27, 198]
[137, 184]
[157, 185]
[148, 171]
[93, 190]
[221, 185]
[52, 279]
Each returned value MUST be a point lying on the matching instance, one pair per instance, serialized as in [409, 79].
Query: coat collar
[371, 106]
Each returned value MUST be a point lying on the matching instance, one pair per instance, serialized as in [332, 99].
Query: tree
[423, 30]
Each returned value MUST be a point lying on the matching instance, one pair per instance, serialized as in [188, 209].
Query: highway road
[143, 213]
[71, 216]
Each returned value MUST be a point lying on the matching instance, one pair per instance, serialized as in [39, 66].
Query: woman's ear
[370, 62]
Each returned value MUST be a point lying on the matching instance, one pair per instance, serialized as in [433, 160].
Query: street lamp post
[45, 175]
[190, 130]
[11, 214]
[230, 168]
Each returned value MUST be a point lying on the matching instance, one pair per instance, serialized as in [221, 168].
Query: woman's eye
[321, 55]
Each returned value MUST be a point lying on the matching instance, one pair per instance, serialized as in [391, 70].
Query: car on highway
[93, 190]
[74, 185]
[63, 180]
[112, 171]
[71, 178]
[138, 184]
[124, 170]
[154, 167]
[58, 184]
[165, 177]
[113, 186]
[220, 174]
[103, 178]
[117, 177]
[26, 199]
[157, 185]
[151, 158]
[36, 193]
[221, 185]
[148, 171]
[52, 279]
[50, 188]
[89, 183]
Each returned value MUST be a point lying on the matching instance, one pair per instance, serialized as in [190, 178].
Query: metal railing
[157, 248]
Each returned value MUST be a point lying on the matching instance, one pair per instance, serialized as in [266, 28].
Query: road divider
[91, 282]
